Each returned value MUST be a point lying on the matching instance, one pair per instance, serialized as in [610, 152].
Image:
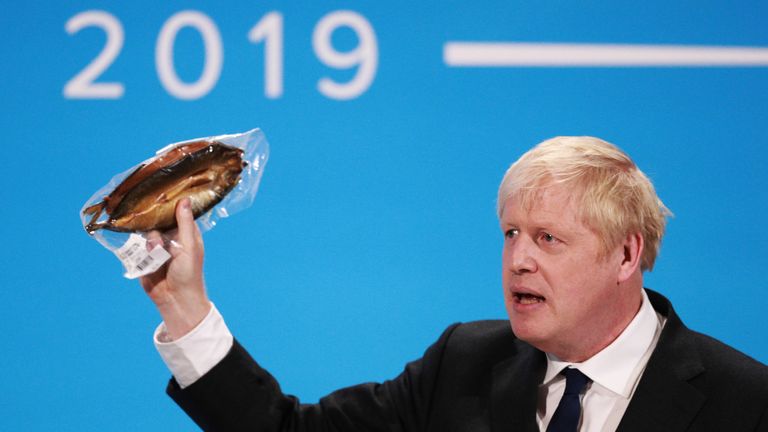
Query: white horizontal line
[497, 54]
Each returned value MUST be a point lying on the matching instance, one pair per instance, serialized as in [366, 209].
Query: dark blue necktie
[566, 417]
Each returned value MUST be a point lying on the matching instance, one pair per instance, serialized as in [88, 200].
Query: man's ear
[632, 248]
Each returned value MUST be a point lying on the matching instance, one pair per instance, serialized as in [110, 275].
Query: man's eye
[548, 238]
[510, 233]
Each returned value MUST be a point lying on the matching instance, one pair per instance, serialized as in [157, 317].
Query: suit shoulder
[728, 361]
[491, 338]
[693, 352]
[482, 331]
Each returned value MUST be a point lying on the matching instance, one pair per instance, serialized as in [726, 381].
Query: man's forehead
[549, 204]
[547, 197]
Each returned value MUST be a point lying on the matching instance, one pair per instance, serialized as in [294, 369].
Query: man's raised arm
[178, 289]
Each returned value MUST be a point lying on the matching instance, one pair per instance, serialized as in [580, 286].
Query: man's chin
[528, 332]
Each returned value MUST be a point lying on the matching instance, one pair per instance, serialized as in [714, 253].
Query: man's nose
[519, 256]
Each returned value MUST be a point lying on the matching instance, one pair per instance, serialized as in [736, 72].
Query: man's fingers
[150, 281]
[188, 232]
[154, 239]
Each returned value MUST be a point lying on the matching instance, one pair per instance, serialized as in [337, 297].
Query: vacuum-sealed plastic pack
[219, 174]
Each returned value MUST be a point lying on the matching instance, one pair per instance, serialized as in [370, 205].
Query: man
[588, 349]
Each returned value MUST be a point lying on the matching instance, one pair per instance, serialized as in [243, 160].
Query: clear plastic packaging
[129, 244]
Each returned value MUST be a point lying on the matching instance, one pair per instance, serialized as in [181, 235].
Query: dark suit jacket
[479, 377]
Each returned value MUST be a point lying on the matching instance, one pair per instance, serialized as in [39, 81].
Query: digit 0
[214, 56]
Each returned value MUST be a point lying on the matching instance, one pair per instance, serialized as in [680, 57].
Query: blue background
[374, 227]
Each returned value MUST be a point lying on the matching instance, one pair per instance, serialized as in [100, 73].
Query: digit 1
[270, 30]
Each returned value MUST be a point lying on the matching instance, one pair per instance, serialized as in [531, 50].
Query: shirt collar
[616, 366]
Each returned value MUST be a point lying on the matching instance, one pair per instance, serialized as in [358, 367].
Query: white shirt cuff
[194, 354]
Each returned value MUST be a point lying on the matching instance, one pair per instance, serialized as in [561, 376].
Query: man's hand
[178, 289]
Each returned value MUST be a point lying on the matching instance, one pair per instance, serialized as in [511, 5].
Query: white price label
[137, 260]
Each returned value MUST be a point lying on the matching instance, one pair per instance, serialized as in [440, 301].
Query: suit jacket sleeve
[237, 394]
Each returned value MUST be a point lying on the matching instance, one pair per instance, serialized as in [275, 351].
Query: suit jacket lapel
[515, 390]
[664, 399]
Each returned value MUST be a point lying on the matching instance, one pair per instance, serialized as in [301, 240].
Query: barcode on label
[145, 262]
[137, 260]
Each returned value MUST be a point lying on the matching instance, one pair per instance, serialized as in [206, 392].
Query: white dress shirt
[614, 371]
[192, 355]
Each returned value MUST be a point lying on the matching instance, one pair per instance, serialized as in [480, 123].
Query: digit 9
[365, 55]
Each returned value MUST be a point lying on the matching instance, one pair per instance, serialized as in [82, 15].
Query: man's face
[562, 295]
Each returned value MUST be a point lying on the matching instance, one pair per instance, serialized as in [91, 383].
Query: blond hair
[616, 198]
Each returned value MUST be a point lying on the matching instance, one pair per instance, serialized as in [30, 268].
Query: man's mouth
[527, 298]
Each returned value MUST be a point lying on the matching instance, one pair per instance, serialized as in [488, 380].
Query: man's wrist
[182, 315]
